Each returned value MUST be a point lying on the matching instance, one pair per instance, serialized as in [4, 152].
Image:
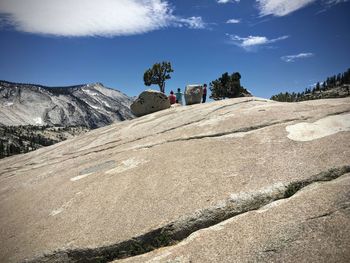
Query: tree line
[330, 83]
[25, 138]
[22, 139]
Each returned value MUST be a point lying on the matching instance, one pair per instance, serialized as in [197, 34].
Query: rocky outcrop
[193, 94]
[91, 105]
[238, 180]
[150, 101]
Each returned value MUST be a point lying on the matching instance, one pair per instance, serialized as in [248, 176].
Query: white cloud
[292, 58]
[253, 41]
[195, 22]
[281, 7]
[285, 7]
[233, 21]
[92, 17]
[227, 1]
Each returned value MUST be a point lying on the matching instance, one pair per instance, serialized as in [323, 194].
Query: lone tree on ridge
[227, 86]
[158, 74]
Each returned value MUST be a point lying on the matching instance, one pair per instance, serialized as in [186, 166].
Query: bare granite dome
[238, 180]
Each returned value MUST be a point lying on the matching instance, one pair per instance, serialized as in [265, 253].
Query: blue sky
[276, 45]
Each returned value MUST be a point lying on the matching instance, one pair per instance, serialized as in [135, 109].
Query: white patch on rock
[77, 178]
[38, 120]
[324, 127]
[56, 212]
[95, 107]
[126, 165]
[274, 189]
[90, 92]
[7, 104]
[65, 205]
[106, 104]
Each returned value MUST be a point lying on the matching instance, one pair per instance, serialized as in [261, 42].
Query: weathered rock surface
[252, 180]
[193, 94]
[150, 101]
[311, 226]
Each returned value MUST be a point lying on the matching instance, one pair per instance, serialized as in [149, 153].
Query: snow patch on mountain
[38, 120]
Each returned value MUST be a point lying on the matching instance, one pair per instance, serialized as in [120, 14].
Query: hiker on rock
[172, 98]
[178, 96]
[204, 93]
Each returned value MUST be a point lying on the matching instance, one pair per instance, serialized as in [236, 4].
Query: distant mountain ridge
[89, 105]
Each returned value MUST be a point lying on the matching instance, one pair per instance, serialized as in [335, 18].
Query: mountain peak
[97, 106]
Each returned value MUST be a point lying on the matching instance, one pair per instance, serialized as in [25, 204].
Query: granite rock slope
[311, 226]
[208, 182]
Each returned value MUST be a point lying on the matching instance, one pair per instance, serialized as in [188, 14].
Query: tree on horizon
[158, 74]
[227, 86]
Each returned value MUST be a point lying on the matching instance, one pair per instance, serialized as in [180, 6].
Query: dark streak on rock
[181, 126]
[342, 207]
[270, 250]
[198, 137]
[232, 105]
[320, 216]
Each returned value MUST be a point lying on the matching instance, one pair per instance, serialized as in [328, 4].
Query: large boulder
[193, 94]
[150, 101]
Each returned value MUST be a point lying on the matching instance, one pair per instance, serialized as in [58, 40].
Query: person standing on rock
[204, 93]
[178, 96]
[172, 98]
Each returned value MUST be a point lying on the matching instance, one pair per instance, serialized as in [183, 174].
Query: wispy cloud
[281, 7]
[329, 3]
[233, 21]
[227, 1]
[293, 58]
[251, 42]
[92, 18]
[334, 2]
[194, 22]
[285, 7]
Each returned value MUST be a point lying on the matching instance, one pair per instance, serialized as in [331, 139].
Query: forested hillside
[337, 86]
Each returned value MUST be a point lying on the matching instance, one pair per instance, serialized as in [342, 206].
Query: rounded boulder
[149, 101]
[193, 94]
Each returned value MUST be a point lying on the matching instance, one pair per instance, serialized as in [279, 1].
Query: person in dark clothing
[204, 93]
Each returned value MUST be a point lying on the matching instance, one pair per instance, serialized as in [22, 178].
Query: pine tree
[158, 74]
[227, 86]
[318, 86]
